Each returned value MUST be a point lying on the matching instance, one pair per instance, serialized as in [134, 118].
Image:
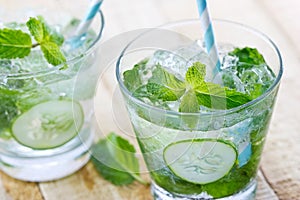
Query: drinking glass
[46, 120]
[205, 155]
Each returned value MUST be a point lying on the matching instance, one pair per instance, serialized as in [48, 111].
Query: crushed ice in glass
[250, 79]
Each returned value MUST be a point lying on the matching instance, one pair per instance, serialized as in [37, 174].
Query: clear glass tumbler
[46, 120]
[186, 153]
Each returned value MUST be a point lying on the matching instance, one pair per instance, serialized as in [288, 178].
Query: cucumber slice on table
[49, 124]
[200, 161]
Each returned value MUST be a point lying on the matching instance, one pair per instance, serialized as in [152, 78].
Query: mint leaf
[132, 78]
[55, 37]
[53, 54]
[209, 94]
[235, 98]
[106, 165]
[161, 86]
[195, 74]
[36, 29]
[189, 103]
[114, 158]
[163, 77]
[248, 55]
[256, 90]
[215, 96]
[14, 44]
[253, 71]
[156, 91]
[17, 44]
[50, 34]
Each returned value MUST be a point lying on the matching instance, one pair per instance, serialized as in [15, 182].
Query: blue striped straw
[208, 34]
[86, 22]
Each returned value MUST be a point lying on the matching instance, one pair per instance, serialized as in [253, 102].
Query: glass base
[39, 166]
[161, 194]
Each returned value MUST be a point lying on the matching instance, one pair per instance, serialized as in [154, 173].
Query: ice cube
[229, 61]
[228, 78]
[8, 67]
[190, 51]
[256, 79]
[170, 61]
[35, 62]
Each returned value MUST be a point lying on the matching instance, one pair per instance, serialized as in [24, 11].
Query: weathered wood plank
[264, 191]
[281, 160]
[87, 184]
[12, 189]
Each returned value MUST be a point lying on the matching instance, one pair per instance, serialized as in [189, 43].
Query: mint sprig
[50, 34]
[210, 94]
[114, 159]
[18, 44]
[192, 92]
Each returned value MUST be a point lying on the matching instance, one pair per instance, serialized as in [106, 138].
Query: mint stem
[35, 45]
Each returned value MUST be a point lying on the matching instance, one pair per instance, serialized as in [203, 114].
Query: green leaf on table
[195, 74]
[14, 44]
[36, 29]
[248, 55]
[114, 158]
[53, 53]
[215, 96]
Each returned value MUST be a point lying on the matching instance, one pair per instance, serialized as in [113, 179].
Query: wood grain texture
[11, 189]
[264, 191]
[281, 160]
[87, 184]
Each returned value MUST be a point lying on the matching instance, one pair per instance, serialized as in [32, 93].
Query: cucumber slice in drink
[200, 161]
[49, 124]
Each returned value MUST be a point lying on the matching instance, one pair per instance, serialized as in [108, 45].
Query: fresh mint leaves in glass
[46, 94]
[201, 134]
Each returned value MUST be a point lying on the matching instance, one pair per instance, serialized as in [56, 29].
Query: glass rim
[74, 59]
[214, 112]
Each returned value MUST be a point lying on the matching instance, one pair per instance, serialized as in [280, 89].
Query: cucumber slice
[49, 124]
[200, 161]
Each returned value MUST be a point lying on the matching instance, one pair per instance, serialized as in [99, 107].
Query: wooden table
[279, 175]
